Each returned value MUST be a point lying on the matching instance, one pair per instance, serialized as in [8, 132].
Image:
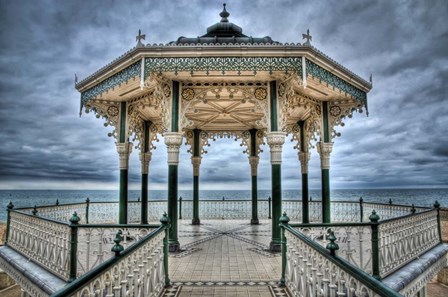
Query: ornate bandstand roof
[224, 78]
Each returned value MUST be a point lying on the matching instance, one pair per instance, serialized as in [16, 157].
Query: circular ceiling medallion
[112, 111]
[188, 94]
[260, 93]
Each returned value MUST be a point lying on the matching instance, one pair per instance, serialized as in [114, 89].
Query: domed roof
[224, 32]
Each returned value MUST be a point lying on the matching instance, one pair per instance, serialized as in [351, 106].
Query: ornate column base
[275, 246]
[254, 222]
[174, 247]
[195, 221]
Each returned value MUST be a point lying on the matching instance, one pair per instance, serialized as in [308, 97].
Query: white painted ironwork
[42, 241]
[309, 273]
[94, 244]
[140, 273]
[388, 211]
[402, 240]
[355, 245]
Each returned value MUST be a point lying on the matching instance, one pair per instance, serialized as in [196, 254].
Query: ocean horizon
[29, 198]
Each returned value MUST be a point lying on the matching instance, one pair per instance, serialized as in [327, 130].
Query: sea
[29, 198]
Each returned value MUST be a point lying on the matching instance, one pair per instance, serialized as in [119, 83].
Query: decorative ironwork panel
[388, 211]
[62, 212]
[309, 273]
[140, 273]
[121, 77]
[404, 239]
[94, 244]
[101, 213]
[355, 245]
[44, 242]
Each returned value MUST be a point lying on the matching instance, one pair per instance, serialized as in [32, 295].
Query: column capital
[173, 141]
[145, 158]
[124, 149]
[275, 141]
[304, 158]
[324, 149]
[254, 161]
[196, 161]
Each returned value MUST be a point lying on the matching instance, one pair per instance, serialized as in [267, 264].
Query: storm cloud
[44, 144]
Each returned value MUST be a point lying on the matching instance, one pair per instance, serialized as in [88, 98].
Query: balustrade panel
[404, 239]
[42, 241]
[156, 210]
[139, 273]
[94, 244]
[309, 273]
[102, 213]
[355, 245]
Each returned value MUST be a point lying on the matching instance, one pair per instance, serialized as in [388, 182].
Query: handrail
[40, 217]
[404, 217]
[86, 278]
[369, 281]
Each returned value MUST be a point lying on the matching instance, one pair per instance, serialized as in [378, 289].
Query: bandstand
[224, 84]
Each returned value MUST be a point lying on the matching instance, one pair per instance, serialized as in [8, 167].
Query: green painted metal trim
[175, 108]
[305, 203]
[144, 202]
[196, 145]
[73, 252]
[375, 251]
[332, 80]
[254, 193]
[367, 280]
[123, 203]
[122, 122]
[325, 121]
[172, 203]
[8, 222]
[196, 220]
[86, 278]
[326, 204]
[273, 104]
[276, 202]
[123, 76]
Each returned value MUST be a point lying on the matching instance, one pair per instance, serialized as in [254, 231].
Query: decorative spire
[224, 15]
[308, 37]
[139, 38]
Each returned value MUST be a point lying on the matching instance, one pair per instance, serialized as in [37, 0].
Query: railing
[140, 270]
[308, 269]
[354, 240]
[403, 239]
[107, 212]
[44, 241]
[95, 242]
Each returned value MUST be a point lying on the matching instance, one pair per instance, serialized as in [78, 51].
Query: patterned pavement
[225, 258]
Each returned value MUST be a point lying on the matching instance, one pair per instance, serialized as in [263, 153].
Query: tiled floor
[225, 258]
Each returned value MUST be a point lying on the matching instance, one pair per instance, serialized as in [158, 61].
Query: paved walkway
[225, 258]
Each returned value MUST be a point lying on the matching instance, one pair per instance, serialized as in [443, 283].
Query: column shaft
[144, 201]
[145, 165]
[325, 165]
[253, 161]
[196, 161]
[123, 204]
[304, 158]
[123, 200]
[305, 203]
[276, 205]
[196, 220]
[172, 206]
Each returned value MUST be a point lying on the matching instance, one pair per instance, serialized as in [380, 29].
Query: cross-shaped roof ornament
[308, 37]
[139, 38]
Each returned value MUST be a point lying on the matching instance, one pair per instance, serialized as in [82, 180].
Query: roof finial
[308, 37]
[224, 14]
[139, 38]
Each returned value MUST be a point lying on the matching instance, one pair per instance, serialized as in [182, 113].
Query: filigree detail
[260, 93]
[339, 110]
[335, 111]
[188, 94]
[101, 109]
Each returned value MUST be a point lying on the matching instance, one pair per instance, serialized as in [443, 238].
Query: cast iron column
[324, 149]
[124, 149]
[275, 141]
[173, 141]
[145, 158]
[253, 161]
[196, 161]
[304, 157]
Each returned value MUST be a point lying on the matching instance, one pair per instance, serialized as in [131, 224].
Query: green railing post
[165, 220]
[117, 248]
[374, 218]
[437, 206]
[180, 208]
[332, 246]
[57, 202]
[8, 220]
[34, 211]
[74, 220]
[390, 201]
[269, 204]
[87, 209]
[413, 210]
[361, 208]
[284, 220]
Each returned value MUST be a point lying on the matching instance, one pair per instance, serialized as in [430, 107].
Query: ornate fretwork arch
[108, 110]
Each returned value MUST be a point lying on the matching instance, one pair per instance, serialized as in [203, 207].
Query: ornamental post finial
[224, 14]
[139, 38]
[308, 37]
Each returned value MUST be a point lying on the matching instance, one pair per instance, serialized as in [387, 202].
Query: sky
[44, 144]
